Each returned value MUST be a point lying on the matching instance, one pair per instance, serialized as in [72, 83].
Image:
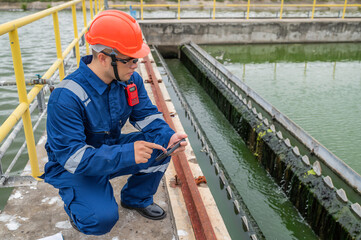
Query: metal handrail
[22, 110]
[213, 5]
[11, 137]
[18, 154]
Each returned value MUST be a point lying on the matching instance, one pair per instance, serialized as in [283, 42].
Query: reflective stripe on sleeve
[159, 168]
[146, 121]
[73, 162]
[76, 89]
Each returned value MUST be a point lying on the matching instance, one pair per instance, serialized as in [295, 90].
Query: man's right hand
[143, 150]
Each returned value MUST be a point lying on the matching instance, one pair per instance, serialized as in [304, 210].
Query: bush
[24, 6]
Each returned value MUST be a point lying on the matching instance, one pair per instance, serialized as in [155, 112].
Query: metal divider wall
[327, 209]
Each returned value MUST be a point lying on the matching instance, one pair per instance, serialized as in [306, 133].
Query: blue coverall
[86, 148]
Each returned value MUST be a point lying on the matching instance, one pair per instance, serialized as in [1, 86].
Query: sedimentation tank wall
[233, 31]
[330, 216]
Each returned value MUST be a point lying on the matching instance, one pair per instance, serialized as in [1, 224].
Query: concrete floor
[36, 212]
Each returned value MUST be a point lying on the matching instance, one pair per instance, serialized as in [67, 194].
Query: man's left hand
[175, 138]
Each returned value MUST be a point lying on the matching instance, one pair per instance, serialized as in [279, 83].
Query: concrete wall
[230, 31]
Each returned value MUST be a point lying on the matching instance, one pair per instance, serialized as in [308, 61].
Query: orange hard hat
[118, 30]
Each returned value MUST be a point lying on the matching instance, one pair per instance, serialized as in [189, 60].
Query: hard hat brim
[144, 51]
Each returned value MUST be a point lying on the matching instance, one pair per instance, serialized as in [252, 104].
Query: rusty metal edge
[197, 212]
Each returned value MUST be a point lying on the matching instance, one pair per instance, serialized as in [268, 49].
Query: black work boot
[153, 211]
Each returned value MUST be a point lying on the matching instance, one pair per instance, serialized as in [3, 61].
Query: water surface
[318, 86]
[273, 212]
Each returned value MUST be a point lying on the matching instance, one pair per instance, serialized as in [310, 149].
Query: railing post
[214, 9]
[59, 53]
[77, 51]
[20, 82]
[96, 6]
[313, 8]
[248, 6]
[41, 101]
[244, 73]
[281, 10]
[1, 169]
[141, 9]
[91, 9]
[85, 25]
[344, 9]
[178, 9]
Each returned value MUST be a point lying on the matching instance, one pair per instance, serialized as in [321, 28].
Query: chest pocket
[96, 139]
[96, 128]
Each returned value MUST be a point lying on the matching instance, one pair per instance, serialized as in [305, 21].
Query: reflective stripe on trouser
[90, 202]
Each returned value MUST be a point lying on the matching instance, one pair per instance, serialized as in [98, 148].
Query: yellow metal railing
[22, 110]
[247, 6]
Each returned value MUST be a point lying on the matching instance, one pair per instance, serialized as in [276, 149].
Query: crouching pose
[85, 145]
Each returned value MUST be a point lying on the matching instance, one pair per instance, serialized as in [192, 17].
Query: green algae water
[317, 86]
[273, 212]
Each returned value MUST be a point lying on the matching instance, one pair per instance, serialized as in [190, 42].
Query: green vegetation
[24, 6]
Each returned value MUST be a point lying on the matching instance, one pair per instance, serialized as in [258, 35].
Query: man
[85, 115]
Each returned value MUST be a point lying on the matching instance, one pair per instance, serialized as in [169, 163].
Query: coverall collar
[95, 81]
[90, 76]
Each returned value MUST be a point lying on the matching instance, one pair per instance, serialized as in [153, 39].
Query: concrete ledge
[235, 31]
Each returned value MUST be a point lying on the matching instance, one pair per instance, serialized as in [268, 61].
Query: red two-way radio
[132, 94]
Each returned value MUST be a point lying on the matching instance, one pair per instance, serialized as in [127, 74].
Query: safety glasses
[124, 61]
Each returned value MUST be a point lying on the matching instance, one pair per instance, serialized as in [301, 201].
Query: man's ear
[102, 59]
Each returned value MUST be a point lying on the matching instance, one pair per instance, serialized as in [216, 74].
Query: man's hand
[175, 138]
[143, 150]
